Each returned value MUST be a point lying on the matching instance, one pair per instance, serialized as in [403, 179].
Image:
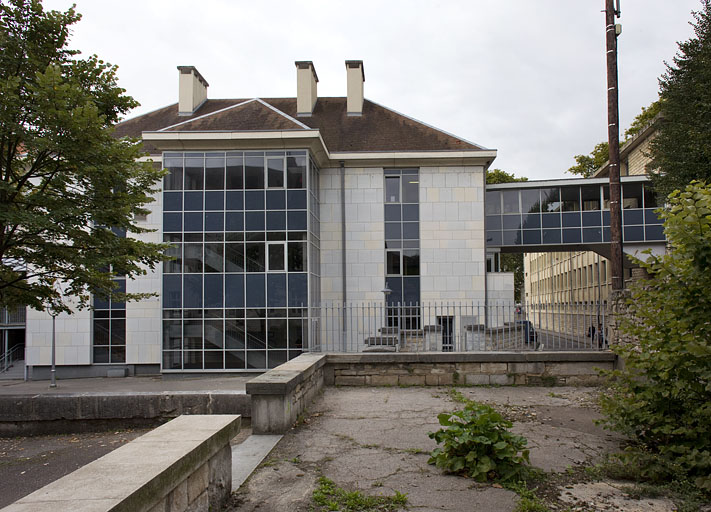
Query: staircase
[16, 371]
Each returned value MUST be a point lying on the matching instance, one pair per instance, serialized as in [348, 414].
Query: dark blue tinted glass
[193, 201]
[493, 238]
[276, 290]
[493, 202]
[172, 201]
[531, 221]
[630, 217]
[411, 290]
[550, 220]
[254, 200]
[255, 291]
[592, 219]
[411, 230]
[511, 221]
[193, 290]
[193, 221]
[394, 284]
[392, 212]
[172, 291]
[531, 236]
[296, 199]
[606, 218]
[276, 200]
[493, 222]
[298, 290]
[634, 233]
[393, 231]
[512, 237]
[214, 200]
[254, 221]
[214, 221]
[411, 212]
[592, 235]
[213, 291]
[172, 222]
[571, 220]
[651, 218]
[234, 291]
[276, 221]
[605, 234]
[234, 221]
[235, 200]
[551, 236]
[654, 232]
[571, 236]
[296, 221]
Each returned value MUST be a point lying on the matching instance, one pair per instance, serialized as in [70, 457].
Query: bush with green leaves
[476, 442]
[662, 398]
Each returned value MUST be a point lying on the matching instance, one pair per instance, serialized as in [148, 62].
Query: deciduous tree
[68, 187]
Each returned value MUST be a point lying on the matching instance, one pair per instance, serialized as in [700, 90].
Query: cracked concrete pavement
[375, 440]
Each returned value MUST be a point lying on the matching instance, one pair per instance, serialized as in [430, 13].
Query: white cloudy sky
[526, 77]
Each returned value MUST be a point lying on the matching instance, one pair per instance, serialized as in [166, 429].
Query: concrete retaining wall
[56, 413]
[472, 368]
[184, 465]
[281, 394]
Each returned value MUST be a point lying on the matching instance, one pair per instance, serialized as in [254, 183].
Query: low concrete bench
[184, 465]
[281, 394]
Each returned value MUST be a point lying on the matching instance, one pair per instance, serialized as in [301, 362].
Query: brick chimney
[192, 90]
[355, 78]
[306, 87]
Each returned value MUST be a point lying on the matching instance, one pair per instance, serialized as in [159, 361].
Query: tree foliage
[67, 185]
[662, 399]
[510, 262]
[586, 165]
[681, 151]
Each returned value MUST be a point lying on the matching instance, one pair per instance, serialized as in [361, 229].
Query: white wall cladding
[365, 265]
[452, 240]
[143, 318]
[74, 332]
[73, 335]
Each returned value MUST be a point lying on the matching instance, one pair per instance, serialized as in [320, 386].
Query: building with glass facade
[273, 208]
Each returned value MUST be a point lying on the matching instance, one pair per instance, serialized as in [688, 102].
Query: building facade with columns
[274, 207]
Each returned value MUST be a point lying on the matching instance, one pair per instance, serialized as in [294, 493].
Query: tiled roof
[377, 129]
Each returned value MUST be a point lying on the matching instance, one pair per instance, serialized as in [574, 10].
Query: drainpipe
[343, 247]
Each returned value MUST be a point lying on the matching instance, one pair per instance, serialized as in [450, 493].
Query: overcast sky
[526, 77]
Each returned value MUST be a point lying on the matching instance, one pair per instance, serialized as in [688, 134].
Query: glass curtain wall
[402, 244]
[235, 296]
[109, 323]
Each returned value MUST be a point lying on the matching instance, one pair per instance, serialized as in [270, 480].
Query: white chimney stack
[355, 78]
[192, 90]
[306, 88]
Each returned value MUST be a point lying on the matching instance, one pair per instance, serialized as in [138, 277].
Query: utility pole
[613, 136]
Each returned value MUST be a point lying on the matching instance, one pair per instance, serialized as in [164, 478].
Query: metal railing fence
[457, 327]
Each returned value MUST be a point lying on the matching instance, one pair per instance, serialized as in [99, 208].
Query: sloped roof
[378, 129]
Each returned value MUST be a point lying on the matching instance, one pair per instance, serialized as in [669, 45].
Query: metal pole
[613, 136]
[53, 372]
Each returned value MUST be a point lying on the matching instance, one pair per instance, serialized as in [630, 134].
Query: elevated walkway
[571, 215]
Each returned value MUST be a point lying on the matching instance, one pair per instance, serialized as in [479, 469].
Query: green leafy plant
[476, 442]
[662, 398]
[328, 496]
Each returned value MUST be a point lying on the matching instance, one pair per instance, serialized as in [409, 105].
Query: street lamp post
[53, 371]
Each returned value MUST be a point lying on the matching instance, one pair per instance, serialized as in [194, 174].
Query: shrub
[662, 398]
[476, 442]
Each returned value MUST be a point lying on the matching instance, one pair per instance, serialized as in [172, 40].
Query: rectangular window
[277, 256]
[275, 172]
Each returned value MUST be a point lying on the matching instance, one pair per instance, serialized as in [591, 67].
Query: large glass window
[243, 229]
[402, 243]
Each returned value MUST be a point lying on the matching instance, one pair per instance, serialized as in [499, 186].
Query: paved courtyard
[375, 440]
